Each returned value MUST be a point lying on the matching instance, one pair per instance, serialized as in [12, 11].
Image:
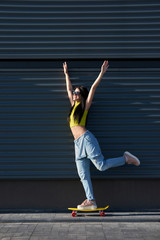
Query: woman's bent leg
[94, 153]
[104, 164]
[83, 168]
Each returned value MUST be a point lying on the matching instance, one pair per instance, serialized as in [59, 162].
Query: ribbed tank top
[75, 122]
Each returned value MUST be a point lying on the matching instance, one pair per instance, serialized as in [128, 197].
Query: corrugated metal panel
[79, 29]
[35, 140]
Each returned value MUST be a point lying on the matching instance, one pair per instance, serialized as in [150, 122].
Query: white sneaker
[131, 159]
[87, 204]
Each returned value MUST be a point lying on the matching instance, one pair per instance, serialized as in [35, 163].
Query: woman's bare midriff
[77, 131]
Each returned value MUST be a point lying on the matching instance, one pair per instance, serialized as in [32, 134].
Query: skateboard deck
[101, 211]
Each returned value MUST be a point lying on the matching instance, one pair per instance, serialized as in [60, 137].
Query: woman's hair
[81, 107]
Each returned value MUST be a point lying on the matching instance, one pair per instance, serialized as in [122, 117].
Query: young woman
[86, 145]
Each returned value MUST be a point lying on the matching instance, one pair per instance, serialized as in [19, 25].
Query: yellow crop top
[75, 122]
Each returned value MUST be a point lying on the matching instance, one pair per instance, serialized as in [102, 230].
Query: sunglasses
[76, 93]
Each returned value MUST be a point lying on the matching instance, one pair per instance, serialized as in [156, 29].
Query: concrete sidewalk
[90, 226]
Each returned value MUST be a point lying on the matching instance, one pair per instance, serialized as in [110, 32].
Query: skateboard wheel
[74, 214]
[102, 214]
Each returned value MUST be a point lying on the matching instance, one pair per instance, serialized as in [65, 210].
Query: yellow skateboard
[101, 211]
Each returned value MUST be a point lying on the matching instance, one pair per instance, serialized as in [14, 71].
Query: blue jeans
[87, 149]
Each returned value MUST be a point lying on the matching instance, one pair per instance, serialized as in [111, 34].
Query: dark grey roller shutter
[79, 29]
[35, 139]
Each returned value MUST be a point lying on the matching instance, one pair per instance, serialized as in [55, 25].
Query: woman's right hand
[65, 68]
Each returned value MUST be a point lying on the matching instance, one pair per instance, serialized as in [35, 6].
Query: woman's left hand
[105, 66]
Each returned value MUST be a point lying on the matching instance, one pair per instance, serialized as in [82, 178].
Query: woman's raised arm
[68, 83]
[104, 68]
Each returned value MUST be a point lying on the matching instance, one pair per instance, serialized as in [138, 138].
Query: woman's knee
[99, 163]
[101, 168]
[83, 175]
[83, 169]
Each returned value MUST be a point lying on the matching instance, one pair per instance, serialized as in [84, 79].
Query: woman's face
[76, 95]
